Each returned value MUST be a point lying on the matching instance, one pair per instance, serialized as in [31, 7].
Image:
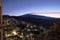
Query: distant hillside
[35, 19]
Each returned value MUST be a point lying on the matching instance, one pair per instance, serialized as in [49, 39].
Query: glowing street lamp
[31, 36]
[14, 32]
[21, 36]
[7, 35]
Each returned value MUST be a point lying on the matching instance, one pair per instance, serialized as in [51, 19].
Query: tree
[53, 33]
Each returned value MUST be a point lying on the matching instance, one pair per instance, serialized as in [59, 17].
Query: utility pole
[1, 29]
[0, 13]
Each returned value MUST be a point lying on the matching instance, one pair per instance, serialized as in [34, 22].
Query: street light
[14, 32]
[22, 35]
[7, 35]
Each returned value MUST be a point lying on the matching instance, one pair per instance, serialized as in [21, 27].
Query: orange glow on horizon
[48, 14]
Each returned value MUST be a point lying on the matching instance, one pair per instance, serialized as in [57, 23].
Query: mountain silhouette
[37, 20]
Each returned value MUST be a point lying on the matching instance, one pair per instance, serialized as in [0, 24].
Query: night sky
[20, 7]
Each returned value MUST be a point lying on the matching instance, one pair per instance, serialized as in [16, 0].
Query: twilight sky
[20, 7]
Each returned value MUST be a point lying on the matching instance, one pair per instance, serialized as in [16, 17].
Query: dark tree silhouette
[53, 33]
